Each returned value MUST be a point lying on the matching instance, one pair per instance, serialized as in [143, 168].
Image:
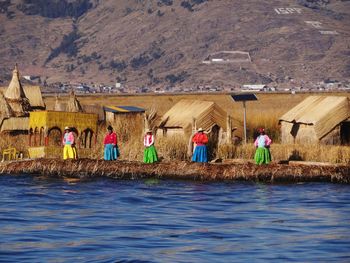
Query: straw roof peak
[15, 89]
[15, 95]
[73, 103]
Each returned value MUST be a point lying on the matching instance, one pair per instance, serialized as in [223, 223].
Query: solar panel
[244, 97]
[123, 109]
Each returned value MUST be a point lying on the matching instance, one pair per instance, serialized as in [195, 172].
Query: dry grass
[263, 113]
[20, 142]
[316, 153]
[174, 148]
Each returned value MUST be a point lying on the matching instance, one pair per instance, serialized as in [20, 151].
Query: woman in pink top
[69, 150]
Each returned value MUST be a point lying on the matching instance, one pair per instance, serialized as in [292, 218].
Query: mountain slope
[164, 42]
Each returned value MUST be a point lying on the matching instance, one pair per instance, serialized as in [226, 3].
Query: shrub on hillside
[172, 78]
[118, 65]
[191, 3]
[67, 46]
[4, 5]
[54, 8]
[140, 61]
[147, 57]
[165, 2]
[314, 4]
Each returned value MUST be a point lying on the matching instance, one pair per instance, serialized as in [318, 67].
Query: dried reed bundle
[87, 168]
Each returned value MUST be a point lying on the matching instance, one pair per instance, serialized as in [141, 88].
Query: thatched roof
[15, 124]
[16, 97]
[33, 93]
[5, 109]
[73, 104]
[323, 112]
[15, 89]
[206, 113]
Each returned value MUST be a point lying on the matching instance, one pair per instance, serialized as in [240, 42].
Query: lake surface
[106, 220]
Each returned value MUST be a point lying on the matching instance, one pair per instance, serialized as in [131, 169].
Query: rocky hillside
[162, 43]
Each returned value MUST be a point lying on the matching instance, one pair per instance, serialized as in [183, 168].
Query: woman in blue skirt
[200, 153]
[111, 151]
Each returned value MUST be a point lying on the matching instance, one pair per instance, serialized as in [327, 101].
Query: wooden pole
[245, 122]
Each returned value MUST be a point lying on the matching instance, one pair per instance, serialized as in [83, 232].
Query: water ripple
[52, 220]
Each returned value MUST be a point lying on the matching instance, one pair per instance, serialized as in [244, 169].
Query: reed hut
[46, 130]
[71, 105]
[128, 121]
[186, 116]
[8, 121]
[16, 103]
[317, 119]
[115, 114]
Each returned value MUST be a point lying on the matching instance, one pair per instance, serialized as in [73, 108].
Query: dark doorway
[55, 137]
[345, 133]
[213, 142]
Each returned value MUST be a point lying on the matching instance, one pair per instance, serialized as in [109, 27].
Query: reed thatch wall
[317, 119]
[15, 124]
[33, 93]
[127, 125]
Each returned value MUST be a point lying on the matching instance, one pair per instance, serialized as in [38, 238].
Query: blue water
[105, 220]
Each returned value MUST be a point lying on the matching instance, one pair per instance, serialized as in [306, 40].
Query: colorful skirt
[262, 155]
[111, 152]
[69, 152]
[200, 154]
[150, 155]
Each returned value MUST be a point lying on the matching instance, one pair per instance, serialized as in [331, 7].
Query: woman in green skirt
[262, 144]
[150, 153]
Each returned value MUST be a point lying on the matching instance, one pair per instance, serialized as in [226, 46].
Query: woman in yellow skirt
[69, 150]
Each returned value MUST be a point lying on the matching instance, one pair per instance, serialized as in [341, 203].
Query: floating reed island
[92, 168]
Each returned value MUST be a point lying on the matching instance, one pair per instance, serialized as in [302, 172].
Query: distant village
[120, 88]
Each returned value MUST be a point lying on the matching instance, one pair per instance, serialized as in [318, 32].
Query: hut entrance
[55, 137]
[213, 142]
[345, 133]
[86, 138]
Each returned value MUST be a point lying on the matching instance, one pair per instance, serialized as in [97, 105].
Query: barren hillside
[164, 42]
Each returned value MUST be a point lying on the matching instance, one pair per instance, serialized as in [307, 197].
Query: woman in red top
[200, 153]
[111, 151]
